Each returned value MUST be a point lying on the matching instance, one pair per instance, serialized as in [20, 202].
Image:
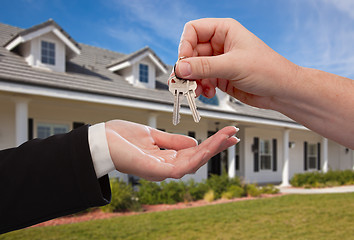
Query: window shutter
[30, 128]
[77, 124]
[318, 156]
[305, 156]
[275, 155]
[255, 154]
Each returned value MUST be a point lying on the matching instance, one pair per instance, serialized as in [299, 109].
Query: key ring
[174, 68]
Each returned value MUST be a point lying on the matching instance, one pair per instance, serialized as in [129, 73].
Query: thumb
[205, 67]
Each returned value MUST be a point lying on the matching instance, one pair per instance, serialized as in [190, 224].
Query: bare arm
[224, 54]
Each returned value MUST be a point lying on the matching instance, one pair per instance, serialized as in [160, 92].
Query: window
[265, 154]
[143, 73]
[211, 101]
[312, 156]
[45, 130]
[48, 53]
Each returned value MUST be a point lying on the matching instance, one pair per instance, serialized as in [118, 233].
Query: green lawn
[297, 217]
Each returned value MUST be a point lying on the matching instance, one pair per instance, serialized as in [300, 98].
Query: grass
[329, 216]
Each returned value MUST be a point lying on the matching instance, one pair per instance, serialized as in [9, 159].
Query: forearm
[48, 178]
[321, 101]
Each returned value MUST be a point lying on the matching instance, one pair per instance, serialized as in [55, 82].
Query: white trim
[14, 43]
[40, 32]
[231, 159]
[67, 42]
[324, 154]
[136, 59]
[157, 63]
[141, 104]
[285, 173]
[120, 66]
[21, 120]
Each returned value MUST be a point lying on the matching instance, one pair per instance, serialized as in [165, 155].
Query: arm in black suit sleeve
[45, 179]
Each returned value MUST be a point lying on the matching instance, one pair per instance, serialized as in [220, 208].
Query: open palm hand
[137, 149]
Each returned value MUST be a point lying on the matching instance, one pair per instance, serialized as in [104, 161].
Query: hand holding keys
[182, 87]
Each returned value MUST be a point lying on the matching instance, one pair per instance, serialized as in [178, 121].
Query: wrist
[291, 88]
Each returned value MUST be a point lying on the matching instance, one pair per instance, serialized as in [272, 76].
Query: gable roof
[40, 29]
[88, 73]
[135, 57]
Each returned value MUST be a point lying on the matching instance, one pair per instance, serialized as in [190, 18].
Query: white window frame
[47, 55]
[51, 127]
[263, 152]
[313, 155]
[143, 75]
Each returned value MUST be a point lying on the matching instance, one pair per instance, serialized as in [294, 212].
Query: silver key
[192, 86]
[178, 88]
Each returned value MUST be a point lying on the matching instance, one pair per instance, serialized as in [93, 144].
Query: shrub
[236, 191]
[221, 183]
[149, 192]
[172, 192]
[226, 195]
[122, 197]
[269, 189]
[319, 179]
[253, 190]
[196, 190]
[209, 196]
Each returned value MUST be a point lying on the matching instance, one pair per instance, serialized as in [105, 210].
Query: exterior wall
[296, 154]
[59, 111]
[242, 148]
[261, 176]
[152, 73]
[7, 122]
[339, 157]
[127, 74]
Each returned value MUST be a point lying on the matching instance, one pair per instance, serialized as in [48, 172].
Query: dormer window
[139, 68]
[48, 53]
[46, 46]
[143, 73]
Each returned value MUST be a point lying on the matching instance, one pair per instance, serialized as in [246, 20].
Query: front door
[218, 163]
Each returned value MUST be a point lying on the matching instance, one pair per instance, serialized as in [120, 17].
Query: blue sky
[311, 33]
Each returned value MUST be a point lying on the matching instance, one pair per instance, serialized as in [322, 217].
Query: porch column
[285, 173]
[325, 155]
[231, 161]
[152, 120]
[21, 120]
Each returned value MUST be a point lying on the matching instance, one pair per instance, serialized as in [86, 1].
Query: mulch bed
[98, 214]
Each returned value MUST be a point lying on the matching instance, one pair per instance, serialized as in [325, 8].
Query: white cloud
[156, 23]
[322, 35]
[164, 18]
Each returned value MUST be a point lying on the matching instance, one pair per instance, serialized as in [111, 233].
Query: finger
[190, 160]
[208, 86]
[172, 141]
[221, 66]
[221, 140]
[200, 31]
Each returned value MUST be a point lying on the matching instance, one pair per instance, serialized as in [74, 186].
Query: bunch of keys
[182, 87]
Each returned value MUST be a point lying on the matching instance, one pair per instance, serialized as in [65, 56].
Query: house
[51, 84]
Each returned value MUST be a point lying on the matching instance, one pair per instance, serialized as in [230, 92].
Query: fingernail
[237, 129]
[184, 69]
[238, 140]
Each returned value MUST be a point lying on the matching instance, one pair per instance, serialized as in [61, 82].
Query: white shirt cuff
[101, 157]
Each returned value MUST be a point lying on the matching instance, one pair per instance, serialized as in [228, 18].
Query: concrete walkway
[341, 189]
